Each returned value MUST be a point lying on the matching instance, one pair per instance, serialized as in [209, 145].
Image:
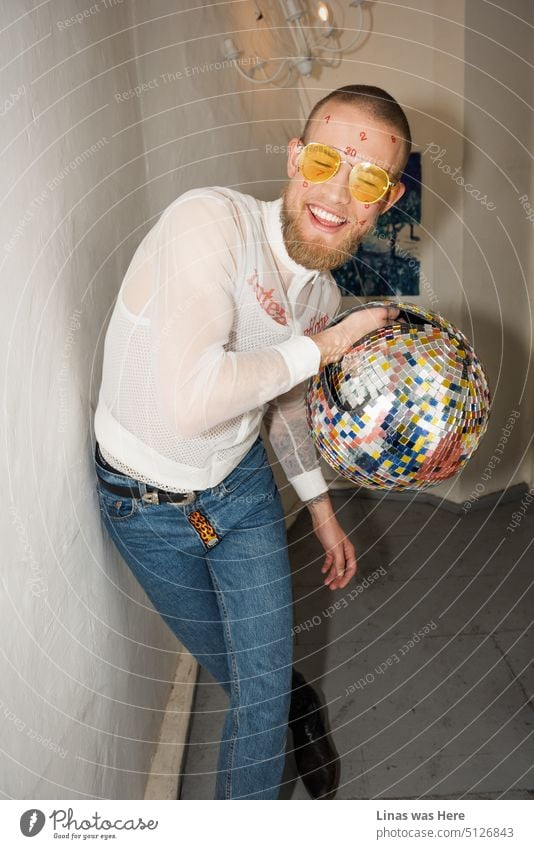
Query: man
[221, 318]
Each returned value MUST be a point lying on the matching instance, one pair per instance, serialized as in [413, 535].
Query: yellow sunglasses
[368, 183]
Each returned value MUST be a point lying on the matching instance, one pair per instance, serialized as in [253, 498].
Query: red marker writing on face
[393, 139]
[327, 118]
[363, 136]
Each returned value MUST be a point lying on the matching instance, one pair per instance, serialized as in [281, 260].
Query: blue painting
[387, 261]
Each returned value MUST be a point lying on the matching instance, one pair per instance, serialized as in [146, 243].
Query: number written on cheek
[363, 136]
[327, 118]
[350, 151]
[394, 139]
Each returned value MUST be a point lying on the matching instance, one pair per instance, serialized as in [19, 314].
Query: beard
[314, 254]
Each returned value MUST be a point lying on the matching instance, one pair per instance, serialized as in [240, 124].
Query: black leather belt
[152, 494]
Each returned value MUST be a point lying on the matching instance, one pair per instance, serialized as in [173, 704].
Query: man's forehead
[344, 124]
[344, 116]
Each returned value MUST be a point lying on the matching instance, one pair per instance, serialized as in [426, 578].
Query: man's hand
[335, 341]
[340, 561]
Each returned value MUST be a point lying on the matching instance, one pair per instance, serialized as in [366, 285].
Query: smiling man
[221, 319]
[323, 222]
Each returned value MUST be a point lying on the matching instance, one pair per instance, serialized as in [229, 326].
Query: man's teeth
[326, 216]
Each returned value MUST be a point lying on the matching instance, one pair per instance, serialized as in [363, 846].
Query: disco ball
[405, 408]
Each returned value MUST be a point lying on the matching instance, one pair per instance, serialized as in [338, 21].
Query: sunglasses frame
[353, 165]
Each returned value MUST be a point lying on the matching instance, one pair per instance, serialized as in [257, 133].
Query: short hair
[375, 101]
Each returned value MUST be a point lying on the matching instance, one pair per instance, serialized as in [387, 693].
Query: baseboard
[485, 502]
[166, 769]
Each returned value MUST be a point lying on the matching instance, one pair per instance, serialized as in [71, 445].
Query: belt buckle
[150, 498]
[189, 497]
[153, 498]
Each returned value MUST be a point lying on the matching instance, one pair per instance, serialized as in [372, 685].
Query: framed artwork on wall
[387, 261]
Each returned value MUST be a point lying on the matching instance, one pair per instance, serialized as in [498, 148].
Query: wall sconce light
[302, 18]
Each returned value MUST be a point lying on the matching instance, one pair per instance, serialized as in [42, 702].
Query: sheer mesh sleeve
[199, 383]
[286, 424]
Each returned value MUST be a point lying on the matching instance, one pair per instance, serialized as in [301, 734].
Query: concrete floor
[446, 716]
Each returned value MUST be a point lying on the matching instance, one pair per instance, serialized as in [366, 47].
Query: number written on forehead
[363, 135]
[327, 118]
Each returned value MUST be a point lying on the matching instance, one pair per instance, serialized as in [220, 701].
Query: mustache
[347, 219]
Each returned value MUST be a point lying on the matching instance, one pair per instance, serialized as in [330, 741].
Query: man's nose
[338, 185]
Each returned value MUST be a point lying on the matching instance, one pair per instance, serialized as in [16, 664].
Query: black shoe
[315, 756]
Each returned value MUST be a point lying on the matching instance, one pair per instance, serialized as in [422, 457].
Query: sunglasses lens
[318, 162]
[368, 183]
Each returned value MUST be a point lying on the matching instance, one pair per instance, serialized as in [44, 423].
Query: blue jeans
[226, 594]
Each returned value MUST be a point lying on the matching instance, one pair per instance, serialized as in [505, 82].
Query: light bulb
[323, 12]
[325, 16]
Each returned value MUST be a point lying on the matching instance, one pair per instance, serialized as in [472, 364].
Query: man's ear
[395, 195]
[292, 155]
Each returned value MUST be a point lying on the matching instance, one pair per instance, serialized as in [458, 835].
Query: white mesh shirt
[205, 340]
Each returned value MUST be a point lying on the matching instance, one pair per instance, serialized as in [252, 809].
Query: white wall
[498, 246]
[202, 123]
[83, 666]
